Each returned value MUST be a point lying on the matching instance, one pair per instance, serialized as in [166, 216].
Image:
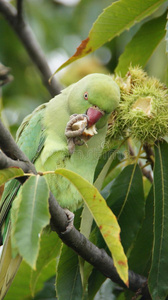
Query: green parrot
[67, 132]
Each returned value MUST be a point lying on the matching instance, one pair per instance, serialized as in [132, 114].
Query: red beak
[94, 115]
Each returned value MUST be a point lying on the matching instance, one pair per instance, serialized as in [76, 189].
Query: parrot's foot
[70, 217]
[74, 129]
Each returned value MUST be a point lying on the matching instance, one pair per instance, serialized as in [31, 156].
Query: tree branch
[73, 238]
[20, 10]
[149, 154]
[7, 162]
[30, 43]
[5, 77]
[145, 172]
[12, 151]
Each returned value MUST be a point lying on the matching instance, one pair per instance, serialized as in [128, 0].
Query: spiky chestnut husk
[143, 109]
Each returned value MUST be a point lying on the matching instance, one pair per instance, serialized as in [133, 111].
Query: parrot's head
[95, 95]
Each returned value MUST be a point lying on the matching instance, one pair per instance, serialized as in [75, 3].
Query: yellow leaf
[104, 218]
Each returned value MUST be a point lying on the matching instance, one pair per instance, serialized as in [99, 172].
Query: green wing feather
[30, 135]
[30, 139]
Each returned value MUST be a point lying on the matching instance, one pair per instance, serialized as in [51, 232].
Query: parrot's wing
[30, 138]
[30, 135]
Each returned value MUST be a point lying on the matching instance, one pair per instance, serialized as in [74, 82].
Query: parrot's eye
[85, 95]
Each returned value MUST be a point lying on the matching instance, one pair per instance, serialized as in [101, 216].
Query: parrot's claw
[73, 131]
[78, 142]
[70, 217]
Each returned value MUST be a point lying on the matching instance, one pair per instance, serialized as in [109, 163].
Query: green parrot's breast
[64, 192]
[83, 162]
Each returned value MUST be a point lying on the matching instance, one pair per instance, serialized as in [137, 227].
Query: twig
[30, 43]
[149, 154]
[5, 77]
[7, 162]
[73, 238]
[19, 10]
[145, 172]
[10, 148]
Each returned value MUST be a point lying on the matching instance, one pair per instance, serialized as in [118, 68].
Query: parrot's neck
[56, 117]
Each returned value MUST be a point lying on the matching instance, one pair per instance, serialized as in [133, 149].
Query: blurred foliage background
[59, 27]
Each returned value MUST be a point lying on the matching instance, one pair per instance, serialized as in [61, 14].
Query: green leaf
[95, 281]
[14, 213]
[68, 280]
[142, 45]
[48, 291]
[126, 199]
[140, 258]
[50, 245]
[10, 173]
[159, 270]
[8, 264]
[116, 18]
[166, 38]
[104, 218]
[108, 160]
[106, 290]
[20, 286]
[48, 271]
[32, 217]
[85, 229]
